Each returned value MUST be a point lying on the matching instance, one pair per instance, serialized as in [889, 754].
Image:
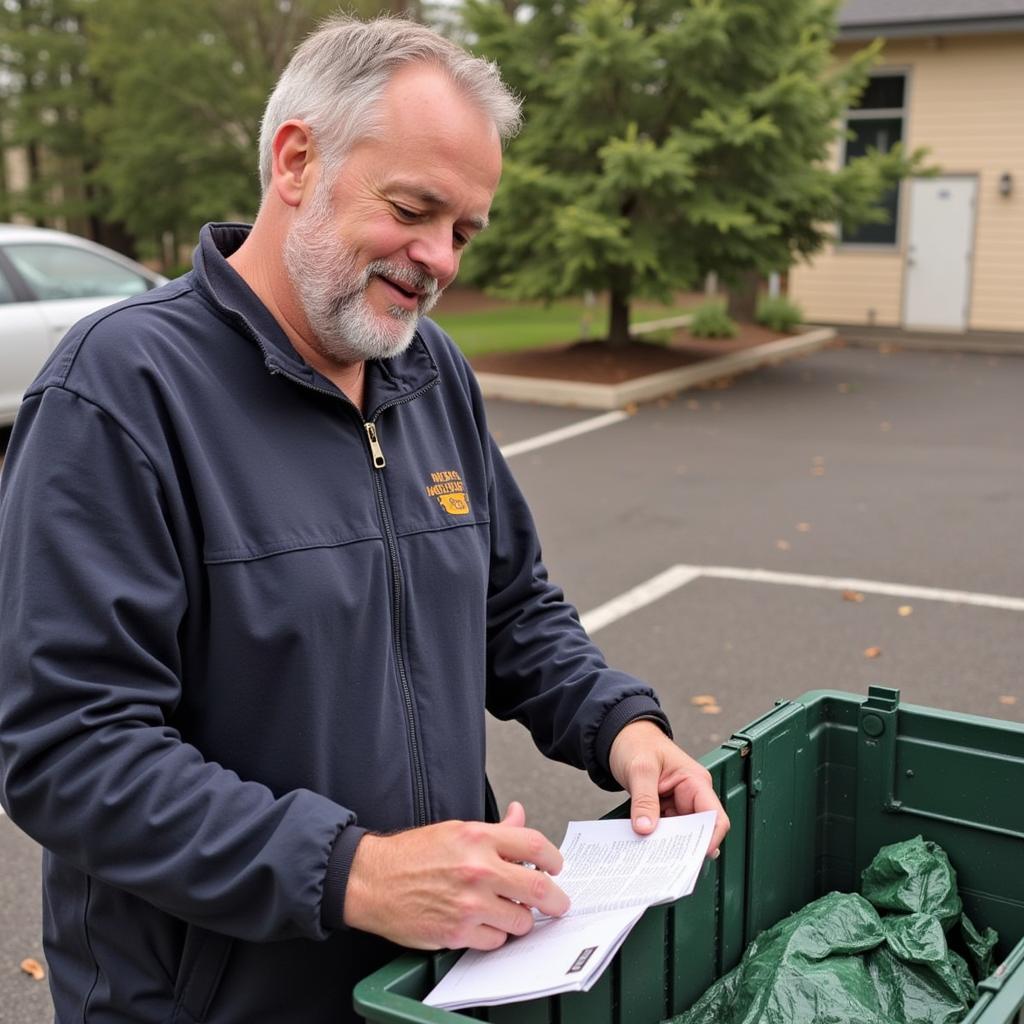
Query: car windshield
[55, 271]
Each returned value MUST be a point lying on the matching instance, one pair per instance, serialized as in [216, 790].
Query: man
[261, 571]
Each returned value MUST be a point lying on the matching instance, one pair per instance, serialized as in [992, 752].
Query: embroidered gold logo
[449, 490]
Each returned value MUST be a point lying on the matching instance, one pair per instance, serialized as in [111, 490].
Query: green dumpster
[813, 789]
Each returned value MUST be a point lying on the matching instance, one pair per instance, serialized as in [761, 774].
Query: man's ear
[291, 168]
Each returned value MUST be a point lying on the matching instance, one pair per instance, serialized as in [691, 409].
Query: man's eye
[461, 240]
[404, 212]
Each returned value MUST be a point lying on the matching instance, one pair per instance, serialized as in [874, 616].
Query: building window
[877, 123]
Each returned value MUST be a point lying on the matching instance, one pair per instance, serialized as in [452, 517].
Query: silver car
[48, 280]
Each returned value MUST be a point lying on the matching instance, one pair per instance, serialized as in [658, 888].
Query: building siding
[965, 103]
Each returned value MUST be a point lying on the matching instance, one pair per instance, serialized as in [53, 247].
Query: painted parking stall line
[790, 579]
[679, 575]
[639, 597]
[530, 444]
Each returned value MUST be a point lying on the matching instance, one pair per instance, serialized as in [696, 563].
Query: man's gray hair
[335, 79]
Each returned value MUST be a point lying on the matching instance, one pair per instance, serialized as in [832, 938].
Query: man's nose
[435, 252]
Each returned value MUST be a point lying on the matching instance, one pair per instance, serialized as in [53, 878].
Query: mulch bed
[594, 362]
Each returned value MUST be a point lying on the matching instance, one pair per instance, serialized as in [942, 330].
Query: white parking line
[564, 433]
[679, 575]
[645, 594]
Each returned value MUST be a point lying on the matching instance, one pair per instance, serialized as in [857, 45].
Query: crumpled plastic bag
[840, 961]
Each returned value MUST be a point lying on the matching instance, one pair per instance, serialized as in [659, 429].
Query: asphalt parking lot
[900, 471]
[903, 468]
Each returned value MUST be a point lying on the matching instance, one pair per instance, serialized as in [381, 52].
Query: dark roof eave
[939, 27]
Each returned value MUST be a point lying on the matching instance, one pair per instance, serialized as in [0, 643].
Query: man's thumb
[515, 815]
[644, 805]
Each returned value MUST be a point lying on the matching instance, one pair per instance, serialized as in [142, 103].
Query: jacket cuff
[339, 864]
[636, 708]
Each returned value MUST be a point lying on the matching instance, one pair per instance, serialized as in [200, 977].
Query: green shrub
[710, 320]
[778, 313]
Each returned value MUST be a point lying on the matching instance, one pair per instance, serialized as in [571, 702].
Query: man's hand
[454, 884]
[662, 780]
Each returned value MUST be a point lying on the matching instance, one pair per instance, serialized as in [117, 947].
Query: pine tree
[666, 139]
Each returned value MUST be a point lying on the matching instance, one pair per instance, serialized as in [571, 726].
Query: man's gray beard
[332, 292]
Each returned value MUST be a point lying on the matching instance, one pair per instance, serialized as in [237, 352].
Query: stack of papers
[611, 876]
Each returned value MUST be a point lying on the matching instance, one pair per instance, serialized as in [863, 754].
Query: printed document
[611, 876]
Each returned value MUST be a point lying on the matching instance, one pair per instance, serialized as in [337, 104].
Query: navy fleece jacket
[235, 634]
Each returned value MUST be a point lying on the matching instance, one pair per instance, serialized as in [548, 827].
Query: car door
[24, 344]
[67, 283]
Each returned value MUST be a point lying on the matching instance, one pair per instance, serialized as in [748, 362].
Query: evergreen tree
[666, 139]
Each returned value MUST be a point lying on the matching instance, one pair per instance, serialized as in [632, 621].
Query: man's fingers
[644, 803]
[527, 845]
[514, 918]
[533, 889]
[707, 800]
[515, 815]
[484, 937]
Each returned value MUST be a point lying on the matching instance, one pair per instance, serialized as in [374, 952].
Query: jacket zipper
[396, 633]
[391, 543]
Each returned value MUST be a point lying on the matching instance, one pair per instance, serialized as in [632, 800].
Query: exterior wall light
[1006, 184]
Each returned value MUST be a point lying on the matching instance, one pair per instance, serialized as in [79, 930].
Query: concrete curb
[578, 394]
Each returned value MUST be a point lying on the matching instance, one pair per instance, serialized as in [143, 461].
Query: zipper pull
[375, 449]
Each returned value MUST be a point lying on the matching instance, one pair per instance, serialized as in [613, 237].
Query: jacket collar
[387, 380]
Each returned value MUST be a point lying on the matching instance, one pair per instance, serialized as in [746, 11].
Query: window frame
[870, 114]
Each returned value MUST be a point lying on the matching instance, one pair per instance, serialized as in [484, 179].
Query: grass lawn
[531, 324]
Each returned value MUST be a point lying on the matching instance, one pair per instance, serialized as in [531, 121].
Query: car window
[64, 272]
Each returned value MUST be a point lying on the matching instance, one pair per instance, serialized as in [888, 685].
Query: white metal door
[938, 273]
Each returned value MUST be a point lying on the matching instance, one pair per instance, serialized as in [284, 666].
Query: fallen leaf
[693, 404]
[710, 709]
[1007, 699]
[843, 388]
[33, 968]
[873, 652]
[853, 595]
[630, 408]
[884, 426]
[905, 610]
[818, 460]
[817, 470]
[663, 403]
[803, 527]
[885, 350]
[782, 545]
[703, 698]
[715, 737]
[716, 406]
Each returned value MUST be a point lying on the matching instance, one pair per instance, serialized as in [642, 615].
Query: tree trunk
[743, 296]
[618, 321]
[35, 175]
[5, 196]
[620, 289]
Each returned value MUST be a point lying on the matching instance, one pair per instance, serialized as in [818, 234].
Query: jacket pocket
[203, 959]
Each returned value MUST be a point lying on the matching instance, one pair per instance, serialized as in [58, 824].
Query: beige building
[951, 79]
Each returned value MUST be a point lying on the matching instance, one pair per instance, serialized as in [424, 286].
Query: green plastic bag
[840, 961]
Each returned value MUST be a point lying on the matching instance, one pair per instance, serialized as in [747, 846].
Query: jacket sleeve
[543, 669]
[93, 594]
